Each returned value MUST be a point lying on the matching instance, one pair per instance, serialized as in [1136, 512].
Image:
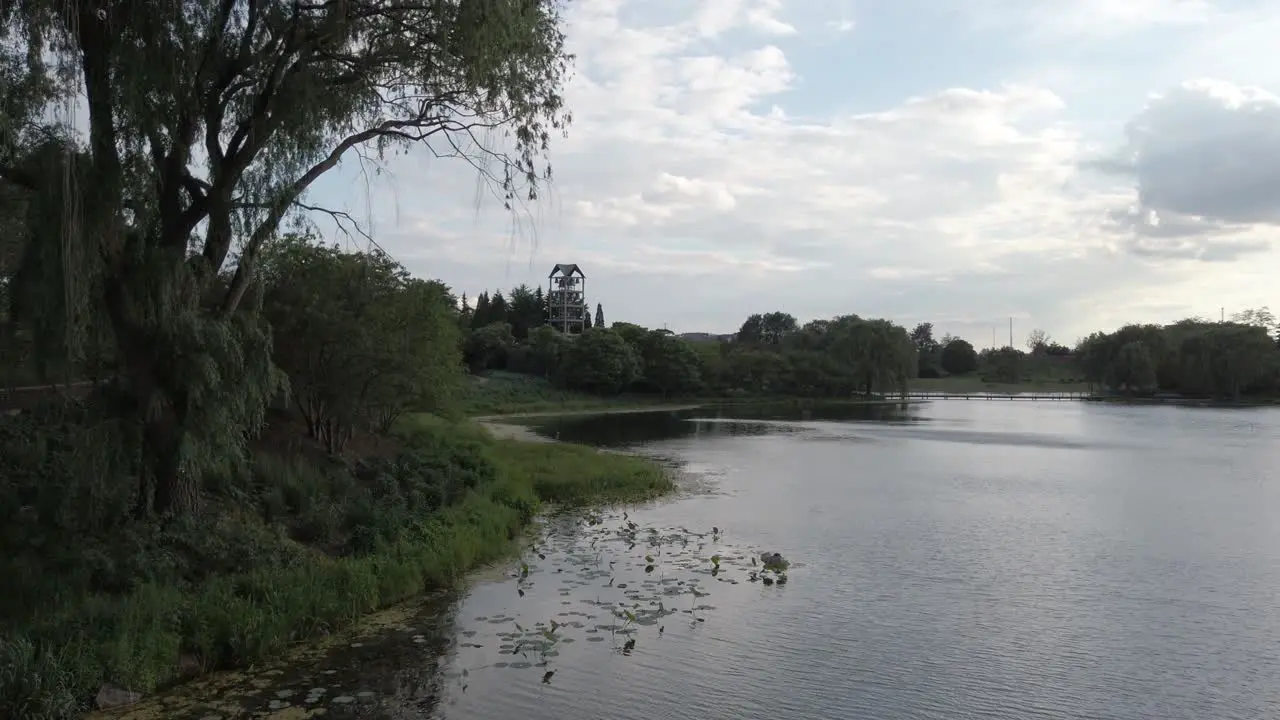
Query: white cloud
[693, 194]
[843, 25]
[1205, 157]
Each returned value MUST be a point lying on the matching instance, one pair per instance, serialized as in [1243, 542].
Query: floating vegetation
[618, 581]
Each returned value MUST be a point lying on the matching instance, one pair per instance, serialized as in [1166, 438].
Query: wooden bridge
[1075, 395]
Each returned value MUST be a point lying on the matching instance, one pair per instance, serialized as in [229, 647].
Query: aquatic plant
[639, 572]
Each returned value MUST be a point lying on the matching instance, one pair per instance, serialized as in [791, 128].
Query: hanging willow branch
[273, 93]
[208, 122]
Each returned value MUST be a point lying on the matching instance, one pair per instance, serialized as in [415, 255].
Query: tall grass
[577, 475]
[293, 550]
[562, 473]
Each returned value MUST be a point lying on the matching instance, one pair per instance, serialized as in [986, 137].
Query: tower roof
[566, 269]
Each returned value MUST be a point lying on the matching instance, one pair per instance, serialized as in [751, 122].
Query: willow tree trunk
[157, 402]
[166, 489]
[175, 492]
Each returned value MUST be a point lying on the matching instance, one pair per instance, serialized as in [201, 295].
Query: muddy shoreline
[507, 427]
[631, 410]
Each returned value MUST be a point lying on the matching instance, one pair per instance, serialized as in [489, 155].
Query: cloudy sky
[1073, 165]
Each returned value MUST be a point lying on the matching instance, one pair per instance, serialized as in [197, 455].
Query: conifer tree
[480, 317]
[497, 308]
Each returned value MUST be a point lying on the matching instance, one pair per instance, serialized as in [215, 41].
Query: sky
[1074, 166]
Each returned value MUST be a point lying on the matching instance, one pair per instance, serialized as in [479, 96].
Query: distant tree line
[955, 356]
[1194, 357]
[771, 355]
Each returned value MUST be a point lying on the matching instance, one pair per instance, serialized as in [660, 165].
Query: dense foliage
[207, 123]
[1192, 357]
[291, 547]
[361, 341]
[772, 355]
[957, 357]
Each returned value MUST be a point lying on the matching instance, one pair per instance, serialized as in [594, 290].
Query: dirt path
[507, 431]
[501, 427]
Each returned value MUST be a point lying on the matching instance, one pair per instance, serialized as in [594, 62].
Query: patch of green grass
[1039, 374]
[975, 384]
[428, 425]
[506, 393]
[293, 550]
[570, 474]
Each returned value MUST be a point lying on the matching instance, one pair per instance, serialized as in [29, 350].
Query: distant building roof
[566, 269]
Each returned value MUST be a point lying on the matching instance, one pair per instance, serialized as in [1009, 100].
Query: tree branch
[95, 44]
[244, 268]
[341, 219]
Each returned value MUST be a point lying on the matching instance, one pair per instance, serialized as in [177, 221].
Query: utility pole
[993, 337]
[1010, 331]
[1222, 314]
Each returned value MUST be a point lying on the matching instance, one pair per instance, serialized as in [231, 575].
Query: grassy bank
[289, 549]
[506, 393]
[503, 393]
[1036, 374]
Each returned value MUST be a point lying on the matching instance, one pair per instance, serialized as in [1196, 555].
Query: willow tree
[878, 353]
[208, 120]
[24, 92]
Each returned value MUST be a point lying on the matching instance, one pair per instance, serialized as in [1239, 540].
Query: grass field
[1039, 375]
[975, 384]
[507, 393]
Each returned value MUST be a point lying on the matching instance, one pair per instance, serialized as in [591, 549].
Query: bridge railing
[1030, 395]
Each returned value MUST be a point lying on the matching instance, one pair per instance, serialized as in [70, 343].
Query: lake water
[960, 559]
[953, 559]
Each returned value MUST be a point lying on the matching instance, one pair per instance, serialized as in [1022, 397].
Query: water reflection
[620, 430]
[813, 423]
